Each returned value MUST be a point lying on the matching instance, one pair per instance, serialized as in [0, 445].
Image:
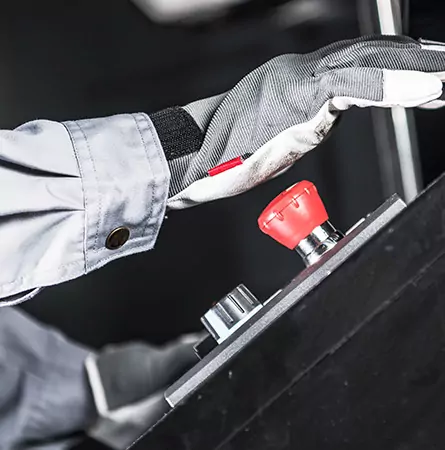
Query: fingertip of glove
[435, 104]
[410, 88]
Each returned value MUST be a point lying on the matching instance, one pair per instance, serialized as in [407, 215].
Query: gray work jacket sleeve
[44, 392]
[64, 187]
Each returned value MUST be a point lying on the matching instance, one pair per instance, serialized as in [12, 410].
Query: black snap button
[117, 238]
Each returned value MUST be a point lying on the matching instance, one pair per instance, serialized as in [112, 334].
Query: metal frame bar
[395, 133]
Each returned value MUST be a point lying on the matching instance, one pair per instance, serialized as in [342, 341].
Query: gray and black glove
[128, 383]
[286, 107]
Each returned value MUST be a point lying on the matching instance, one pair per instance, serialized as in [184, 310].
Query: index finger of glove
[366, 87]
[386, 53]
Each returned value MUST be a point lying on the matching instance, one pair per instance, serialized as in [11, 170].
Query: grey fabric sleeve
[65, 187]
[44, 392]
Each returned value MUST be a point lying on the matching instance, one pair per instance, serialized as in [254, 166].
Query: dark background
[77, 59]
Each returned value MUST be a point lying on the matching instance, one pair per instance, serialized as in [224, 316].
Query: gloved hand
[128, 383]
[285, 108]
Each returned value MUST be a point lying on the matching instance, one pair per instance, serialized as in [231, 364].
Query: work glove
[285, 108]
[128, 383]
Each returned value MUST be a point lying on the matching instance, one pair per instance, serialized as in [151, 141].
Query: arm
[52, 389]
[66, 187]
[44, 395]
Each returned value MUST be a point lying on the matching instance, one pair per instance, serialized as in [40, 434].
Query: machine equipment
[350, 354]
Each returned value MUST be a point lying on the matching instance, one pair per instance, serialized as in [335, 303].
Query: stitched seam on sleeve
[99, 221]
[152, 174]
[135, 241]
[24, 277]
[85, 203]
[156, 142]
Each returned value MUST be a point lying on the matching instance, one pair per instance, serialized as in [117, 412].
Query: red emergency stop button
[293, 215]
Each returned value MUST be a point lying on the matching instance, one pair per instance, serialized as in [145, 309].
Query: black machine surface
[356, 360]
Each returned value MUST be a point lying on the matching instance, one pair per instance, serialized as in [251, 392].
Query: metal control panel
[260, 318]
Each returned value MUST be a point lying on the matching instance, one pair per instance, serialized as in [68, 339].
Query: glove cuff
[178, 132]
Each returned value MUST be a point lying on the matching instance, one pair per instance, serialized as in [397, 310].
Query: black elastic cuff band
[178, 132]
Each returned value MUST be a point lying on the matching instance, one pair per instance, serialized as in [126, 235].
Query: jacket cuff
[87, 192]
[125, 181]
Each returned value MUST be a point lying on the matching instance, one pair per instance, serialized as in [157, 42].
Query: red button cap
[293, 215]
